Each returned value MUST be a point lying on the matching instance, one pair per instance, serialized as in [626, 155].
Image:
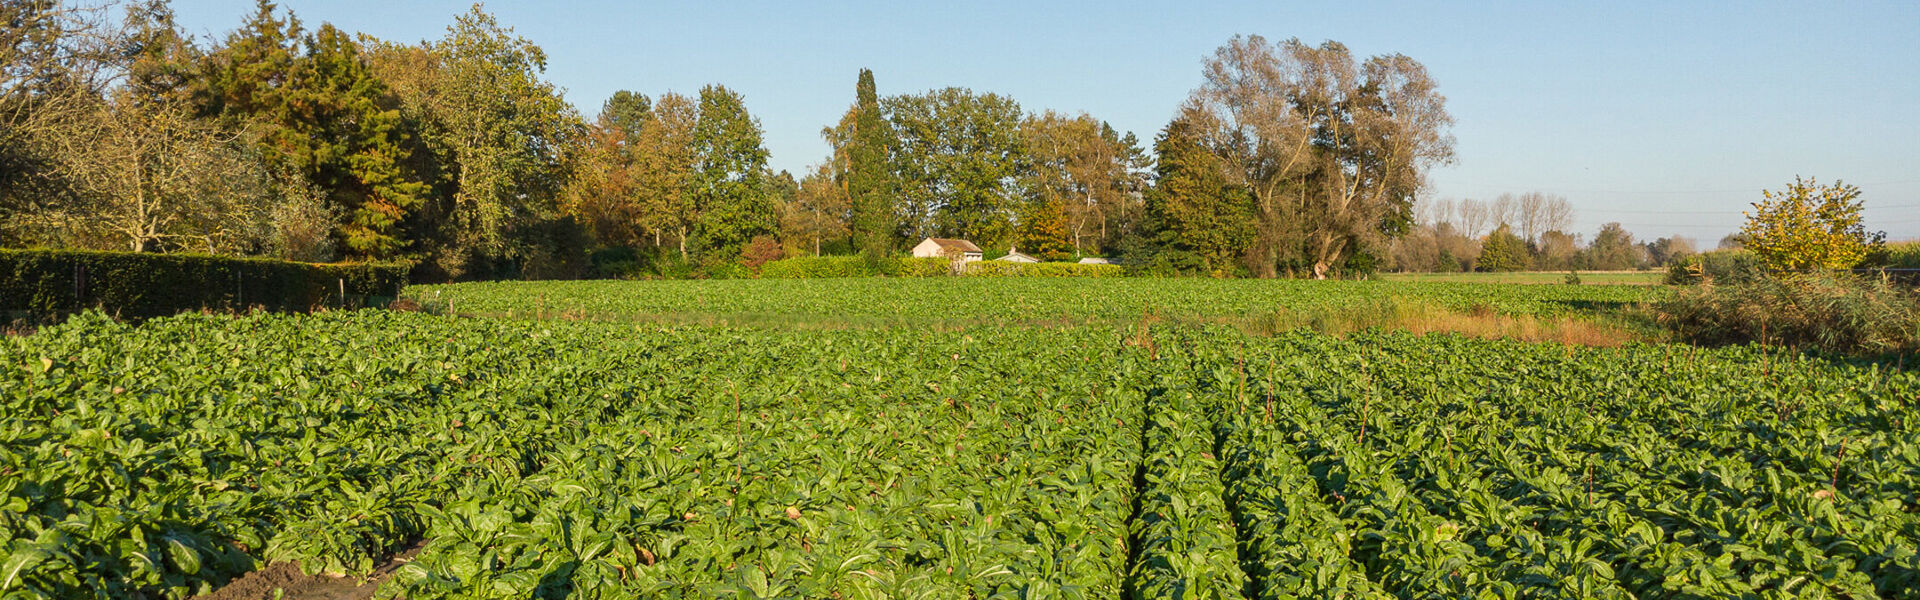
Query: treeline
[119, 131]
[1523, 232]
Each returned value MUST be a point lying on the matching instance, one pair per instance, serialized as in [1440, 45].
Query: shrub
[1502, 251]
[1809, 226]
[1720, 266]
[615, 263]
[48, 283]
[1894, 255]
[762, 250]
[1835, 312]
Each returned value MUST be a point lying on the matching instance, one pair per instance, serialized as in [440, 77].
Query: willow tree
[1332, 150]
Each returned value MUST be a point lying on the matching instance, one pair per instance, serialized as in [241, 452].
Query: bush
[615, 263]
[1835, 312]
[49, 283]
[1896, 255]
[762, 250]
[1720, 266]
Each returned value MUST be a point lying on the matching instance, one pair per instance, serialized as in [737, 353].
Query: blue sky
[1667, 117]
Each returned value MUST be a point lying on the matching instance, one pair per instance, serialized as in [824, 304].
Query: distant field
[1536, 277]
[968, 300]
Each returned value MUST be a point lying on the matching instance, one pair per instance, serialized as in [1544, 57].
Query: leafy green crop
[597, 459]
[911, 301]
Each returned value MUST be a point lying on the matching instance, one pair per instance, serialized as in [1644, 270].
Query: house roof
[953, 245]
[1017, 255]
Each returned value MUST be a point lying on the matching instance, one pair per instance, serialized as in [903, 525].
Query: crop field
[976, 300]
[596, 458]
[1537, 277]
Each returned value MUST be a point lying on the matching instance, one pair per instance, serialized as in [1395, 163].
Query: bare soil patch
[286, 577]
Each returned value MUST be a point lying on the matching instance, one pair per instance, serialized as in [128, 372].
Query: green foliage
[729, 188]
[956, 157]
[577, 457]
[45, 283]
[1613, 250]
[920, 291]
[867, 177]
[496, 131]
[1894, 255]
[1841, 313]
[1186, 539]
[994, 268]
[1502, 251]
[1200, 221]
[628, 111]
[605, 460]
[1809, 226]
[1719, 266]
[325, 116]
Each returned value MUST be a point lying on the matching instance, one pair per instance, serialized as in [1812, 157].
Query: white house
[962, 250]
[1095, 260]
[1015, 256]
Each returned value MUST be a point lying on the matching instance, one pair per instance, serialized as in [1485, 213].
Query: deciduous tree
[729, 184]
[958, 157]
[1809, 226]
[1332, 150]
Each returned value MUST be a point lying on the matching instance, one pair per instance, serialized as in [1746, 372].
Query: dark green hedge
[48, 283]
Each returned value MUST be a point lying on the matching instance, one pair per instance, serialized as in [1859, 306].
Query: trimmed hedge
[1044, 269]
[48, 283]
[809, 267]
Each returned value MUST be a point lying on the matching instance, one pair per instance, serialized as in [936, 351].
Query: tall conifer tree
[867, 175]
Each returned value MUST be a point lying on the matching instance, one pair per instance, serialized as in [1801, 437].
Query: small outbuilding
[1015, 256]
[1095, 260]
[960, 250]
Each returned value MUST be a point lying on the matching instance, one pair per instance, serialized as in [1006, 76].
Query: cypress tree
[868, 179]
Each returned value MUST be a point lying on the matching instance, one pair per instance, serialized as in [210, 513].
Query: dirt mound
[261, 584]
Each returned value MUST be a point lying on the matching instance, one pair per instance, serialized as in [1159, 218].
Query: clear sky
[1666, 117]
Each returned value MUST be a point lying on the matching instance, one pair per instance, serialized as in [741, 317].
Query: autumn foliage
[1809, 226]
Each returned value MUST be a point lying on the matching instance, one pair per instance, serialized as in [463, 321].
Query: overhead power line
[1714, 212]
[1552, 189]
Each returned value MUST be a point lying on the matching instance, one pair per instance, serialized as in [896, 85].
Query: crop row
[594, 459]
[1518, 470]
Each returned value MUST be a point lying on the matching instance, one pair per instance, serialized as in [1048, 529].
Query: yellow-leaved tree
[1809, 226]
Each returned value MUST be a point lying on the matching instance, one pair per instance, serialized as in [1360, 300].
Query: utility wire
[1714, 212]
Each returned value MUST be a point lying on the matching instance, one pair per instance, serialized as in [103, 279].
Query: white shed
[1016, 256]
[1095, 260]
[961, 250]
